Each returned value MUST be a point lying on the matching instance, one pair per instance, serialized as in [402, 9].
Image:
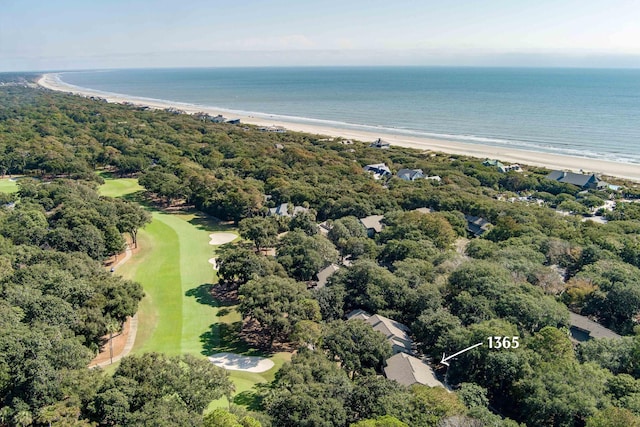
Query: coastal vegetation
[521, 278]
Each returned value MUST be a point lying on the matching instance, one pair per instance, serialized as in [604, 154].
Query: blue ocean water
[582, 112]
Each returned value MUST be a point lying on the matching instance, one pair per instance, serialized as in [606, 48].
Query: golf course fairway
[178, 314]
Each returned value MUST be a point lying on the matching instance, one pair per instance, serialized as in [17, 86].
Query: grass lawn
[8, 186]
[119, 187]
[178, 315]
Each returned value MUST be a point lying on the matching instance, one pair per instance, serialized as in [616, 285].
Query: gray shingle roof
[372, 222]
[408, 370]
[325, 273]
[395, 332]
[573, 178]
[410, 174]
[590, 328]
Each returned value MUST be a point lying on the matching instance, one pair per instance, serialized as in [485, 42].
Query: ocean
[592, 113]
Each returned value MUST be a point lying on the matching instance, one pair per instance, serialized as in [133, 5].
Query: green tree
[303, 256]
[357, 346]
[261, 231]
[277, 304]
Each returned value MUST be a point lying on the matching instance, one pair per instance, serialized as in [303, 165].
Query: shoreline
[532, 158]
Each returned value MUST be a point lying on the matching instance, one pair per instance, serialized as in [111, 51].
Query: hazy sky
[78, 34]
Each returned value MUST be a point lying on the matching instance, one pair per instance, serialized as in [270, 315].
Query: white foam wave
[539, 146]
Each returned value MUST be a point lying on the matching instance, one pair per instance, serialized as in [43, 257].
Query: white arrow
[444, 359]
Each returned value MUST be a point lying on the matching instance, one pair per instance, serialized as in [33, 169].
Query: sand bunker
[222, 238]
[213, 262]
[236, 362]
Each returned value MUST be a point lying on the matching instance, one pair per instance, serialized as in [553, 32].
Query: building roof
[477, 225]
[324, 274]
[378, 168]
[379, 143]
[324, 228]
[395, 332]
[283, 210]
[373, 222]
[590, 328]
[409, 370]
[358, 314]
[410, 174]
[578, 179]
[493, 162]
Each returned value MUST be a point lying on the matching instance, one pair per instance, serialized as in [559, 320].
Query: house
[502, 168]
[276, 129]
[583, 329]
[408, 370]
[434, 178]
[324, 274]
[379, 143]
[283, 210]
[324, 228]
[372, 223]
[410, 174]
[396, 333]
[493, 163]
[379, 170]
[477, 225]
[581, 180]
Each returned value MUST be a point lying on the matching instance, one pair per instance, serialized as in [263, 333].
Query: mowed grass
[178, 314]
[8, 185]
[119, 187]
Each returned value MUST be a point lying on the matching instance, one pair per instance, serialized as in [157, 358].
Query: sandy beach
[508, 155]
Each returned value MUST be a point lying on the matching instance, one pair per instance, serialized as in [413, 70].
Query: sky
[38, 35]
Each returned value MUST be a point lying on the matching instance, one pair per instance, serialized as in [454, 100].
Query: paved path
[128, 345]
[133, 322]
[127, 256]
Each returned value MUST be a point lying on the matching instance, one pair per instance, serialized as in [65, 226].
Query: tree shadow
[227, 338]
[140, 198]
[223, 312]
[203, 295]
[249, 399]
[206, 222]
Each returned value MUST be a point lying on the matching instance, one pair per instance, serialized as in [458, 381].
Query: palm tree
[112, 327]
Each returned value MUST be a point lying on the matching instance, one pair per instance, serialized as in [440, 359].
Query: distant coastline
[629, 171]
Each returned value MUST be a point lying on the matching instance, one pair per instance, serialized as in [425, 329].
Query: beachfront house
[275, 129]
[410, 174]
[379, 143]
[583, 181]
[502, 168]
[379, 170]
